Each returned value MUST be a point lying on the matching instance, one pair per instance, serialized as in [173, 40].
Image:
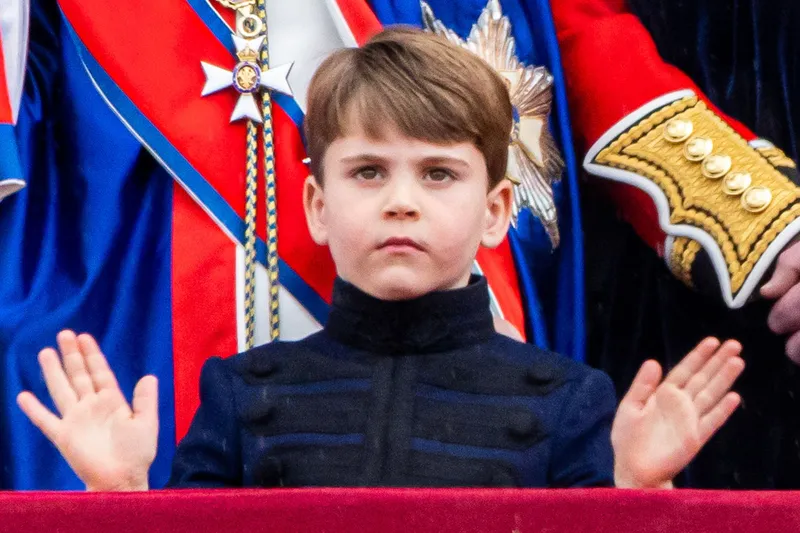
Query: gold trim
[776, 156]
[742, 237]
[682, 256]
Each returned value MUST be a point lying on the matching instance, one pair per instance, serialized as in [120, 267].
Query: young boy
[408, 384]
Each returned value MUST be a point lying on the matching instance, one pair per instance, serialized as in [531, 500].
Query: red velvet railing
[401, 510]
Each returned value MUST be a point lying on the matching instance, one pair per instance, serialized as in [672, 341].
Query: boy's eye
[439, 175]
[367, 173]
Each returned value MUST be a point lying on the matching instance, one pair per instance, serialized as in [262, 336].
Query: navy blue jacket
[412, 393]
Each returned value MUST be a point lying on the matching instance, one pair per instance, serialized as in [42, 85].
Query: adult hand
[784, 287]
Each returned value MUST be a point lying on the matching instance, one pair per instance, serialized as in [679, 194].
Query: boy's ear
[314, 206]
[498, 214]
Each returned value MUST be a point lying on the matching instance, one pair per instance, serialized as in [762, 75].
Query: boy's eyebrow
[363, 158]
[424, 161]
[443, 160]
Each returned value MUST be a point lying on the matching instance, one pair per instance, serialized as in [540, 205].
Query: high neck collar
[434, 322]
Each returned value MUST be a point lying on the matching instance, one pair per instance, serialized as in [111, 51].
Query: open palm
[661, 426]
[109, 444]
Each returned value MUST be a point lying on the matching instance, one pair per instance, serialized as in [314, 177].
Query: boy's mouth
[400, 244]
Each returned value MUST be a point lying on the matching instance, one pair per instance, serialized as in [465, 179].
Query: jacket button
[521, 425]
[261, 367]
[257, 413]
[269, 472]
[540, 376]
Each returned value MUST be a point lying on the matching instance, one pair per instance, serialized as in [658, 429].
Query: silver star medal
[534, 162]
[247, 78]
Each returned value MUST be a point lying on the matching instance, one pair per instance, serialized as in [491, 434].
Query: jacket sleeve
[209, 456]
[699, 187]
[582, 455]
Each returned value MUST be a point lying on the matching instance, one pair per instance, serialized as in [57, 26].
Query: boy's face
[404, 217]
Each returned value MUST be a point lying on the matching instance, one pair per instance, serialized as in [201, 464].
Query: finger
[701, 379]
[145, 398]
[99, 371]
[719, 385]
[793, 347]
[785, 315]
[74, 364]
[58, 385]
[786, 275]
[714, 419]
[44, 419]
[692, 363]
[644, 384]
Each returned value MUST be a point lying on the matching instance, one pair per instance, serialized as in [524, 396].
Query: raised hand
[108, 444]
[661, 426]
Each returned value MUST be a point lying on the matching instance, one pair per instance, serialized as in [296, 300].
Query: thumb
[643, 386]
[786, 275]
[145, 398]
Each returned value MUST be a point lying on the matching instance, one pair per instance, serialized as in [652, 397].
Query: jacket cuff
[727, 207]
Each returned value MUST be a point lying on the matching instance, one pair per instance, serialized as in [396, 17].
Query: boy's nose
[400, 204]
[401, 212]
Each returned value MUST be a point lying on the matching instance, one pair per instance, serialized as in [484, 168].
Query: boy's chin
[401, 284]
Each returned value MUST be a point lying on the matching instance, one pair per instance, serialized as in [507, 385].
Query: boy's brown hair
[426, 87]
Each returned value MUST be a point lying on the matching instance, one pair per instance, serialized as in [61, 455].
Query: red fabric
[360, 19]
[403, 510]
[611, 65]
[203, 300]
[5, 99]
[500, 271]
[612, 68]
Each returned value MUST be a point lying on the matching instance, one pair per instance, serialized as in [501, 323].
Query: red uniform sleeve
[612, 68]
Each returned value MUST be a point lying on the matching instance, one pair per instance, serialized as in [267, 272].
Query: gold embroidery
[684, 252]
[776, 156]
[698, 201]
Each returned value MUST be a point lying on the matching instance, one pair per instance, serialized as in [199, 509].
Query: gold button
[677, 130]
[756, 199]
[697, 148]
[736, 183]
[715, 166]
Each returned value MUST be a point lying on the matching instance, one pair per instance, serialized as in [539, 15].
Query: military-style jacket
[412, 393]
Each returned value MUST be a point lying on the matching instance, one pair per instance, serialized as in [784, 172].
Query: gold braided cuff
[715, 193]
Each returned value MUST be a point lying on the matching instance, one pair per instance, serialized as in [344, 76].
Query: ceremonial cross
[247, 78]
